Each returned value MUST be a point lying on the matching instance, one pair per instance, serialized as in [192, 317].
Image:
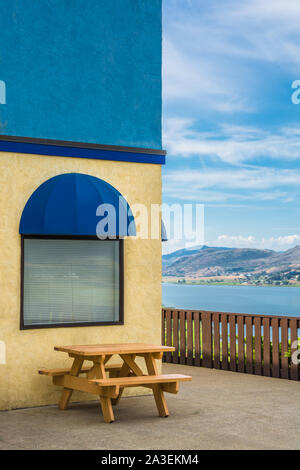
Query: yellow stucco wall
[29, 350]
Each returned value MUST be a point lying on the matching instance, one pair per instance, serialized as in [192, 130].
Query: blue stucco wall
[82, 70]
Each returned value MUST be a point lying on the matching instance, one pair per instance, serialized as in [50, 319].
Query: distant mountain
[290, 257]
[175, 255]
[219, 261]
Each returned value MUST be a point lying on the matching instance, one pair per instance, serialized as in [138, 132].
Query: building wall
[84, 71]
[29, 350]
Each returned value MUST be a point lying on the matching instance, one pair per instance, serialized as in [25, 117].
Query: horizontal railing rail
[254, 344]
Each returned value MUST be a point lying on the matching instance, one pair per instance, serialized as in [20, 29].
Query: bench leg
[65, 398]
[157, 389]
[107, 410]
[115, 401]
[67, 393]
[124, 372]
[160, 401]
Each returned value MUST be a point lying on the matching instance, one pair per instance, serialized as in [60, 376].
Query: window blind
[70, 281]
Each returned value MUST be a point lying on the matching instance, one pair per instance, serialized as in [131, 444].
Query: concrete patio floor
[218, 410]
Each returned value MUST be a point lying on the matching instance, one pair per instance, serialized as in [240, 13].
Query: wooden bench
[60, 376]
[168, 383]
[83, 370]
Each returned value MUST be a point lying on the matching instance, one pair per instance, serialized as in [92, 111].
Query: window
[71, 282]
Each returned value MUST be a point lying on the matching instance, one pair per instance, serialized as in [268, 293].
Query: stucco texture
[84, 71]
[29, 350]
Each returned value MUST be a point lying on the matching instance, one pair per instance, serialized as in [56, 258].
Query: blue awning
[66, 205]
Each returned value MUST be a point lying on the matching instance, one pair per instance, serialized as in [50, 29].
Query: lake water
[236, 299]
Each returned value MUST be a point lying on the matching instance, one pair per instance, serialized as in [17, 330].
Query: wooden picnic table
[126, 374]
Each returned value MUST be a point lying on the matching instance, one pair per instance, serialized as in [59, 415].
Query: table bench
[84, 370]
[127, 374]
[169, 383]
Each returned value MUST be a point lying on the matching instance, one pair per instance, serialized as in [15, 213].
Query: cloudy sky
[230, 128]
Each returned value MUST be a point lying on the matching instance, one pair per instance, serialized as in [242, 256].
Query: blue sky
[229, 125]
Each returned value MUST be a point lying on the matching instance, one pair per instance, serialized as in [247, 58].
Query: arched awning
[66, 205]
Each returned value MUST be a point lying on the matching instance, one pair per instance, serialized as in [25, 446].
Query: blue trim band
[80, 152]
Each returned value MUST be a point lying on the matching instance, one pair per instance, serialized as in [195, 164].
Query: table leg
[105, 402]
[124, 372]
[129, 359]
[67, 393]
[157, 390]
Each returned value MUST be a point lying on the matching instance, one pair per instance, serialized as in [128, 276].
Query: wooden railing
[254, 344]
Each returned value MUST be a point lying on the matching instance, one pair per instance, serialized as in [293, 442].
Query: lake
[236, 299]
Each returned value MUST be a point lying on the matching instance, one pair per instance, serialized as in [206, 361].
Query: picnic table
[126, 374]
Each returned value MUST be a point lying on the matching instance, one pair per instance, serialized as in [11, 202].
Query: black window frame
[74, 325]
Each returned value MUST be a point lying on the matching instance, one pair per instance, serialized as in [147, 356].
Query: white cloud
[195, 79]
[268, 30]
[235, 185]
[173, 245]
[233, 28]
[231, 144]
[286, 13]
[257, 178]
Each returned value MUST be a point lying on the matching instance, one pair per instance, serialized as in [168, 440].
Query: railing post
[216, 341]
[207, 338]
[189, 318]
[257, 343]
[163, 332]
[168, 335]
[175, 336]
[232, 331]
[284, 349]
[249, 346]
[197, 338]
[182, 337]
[224, 341]
[275, 348]
[294, 342]
[241, 344]
[267, 348]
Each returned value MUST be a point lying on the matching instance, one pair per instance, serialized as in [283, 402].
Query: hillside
[215, 261]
